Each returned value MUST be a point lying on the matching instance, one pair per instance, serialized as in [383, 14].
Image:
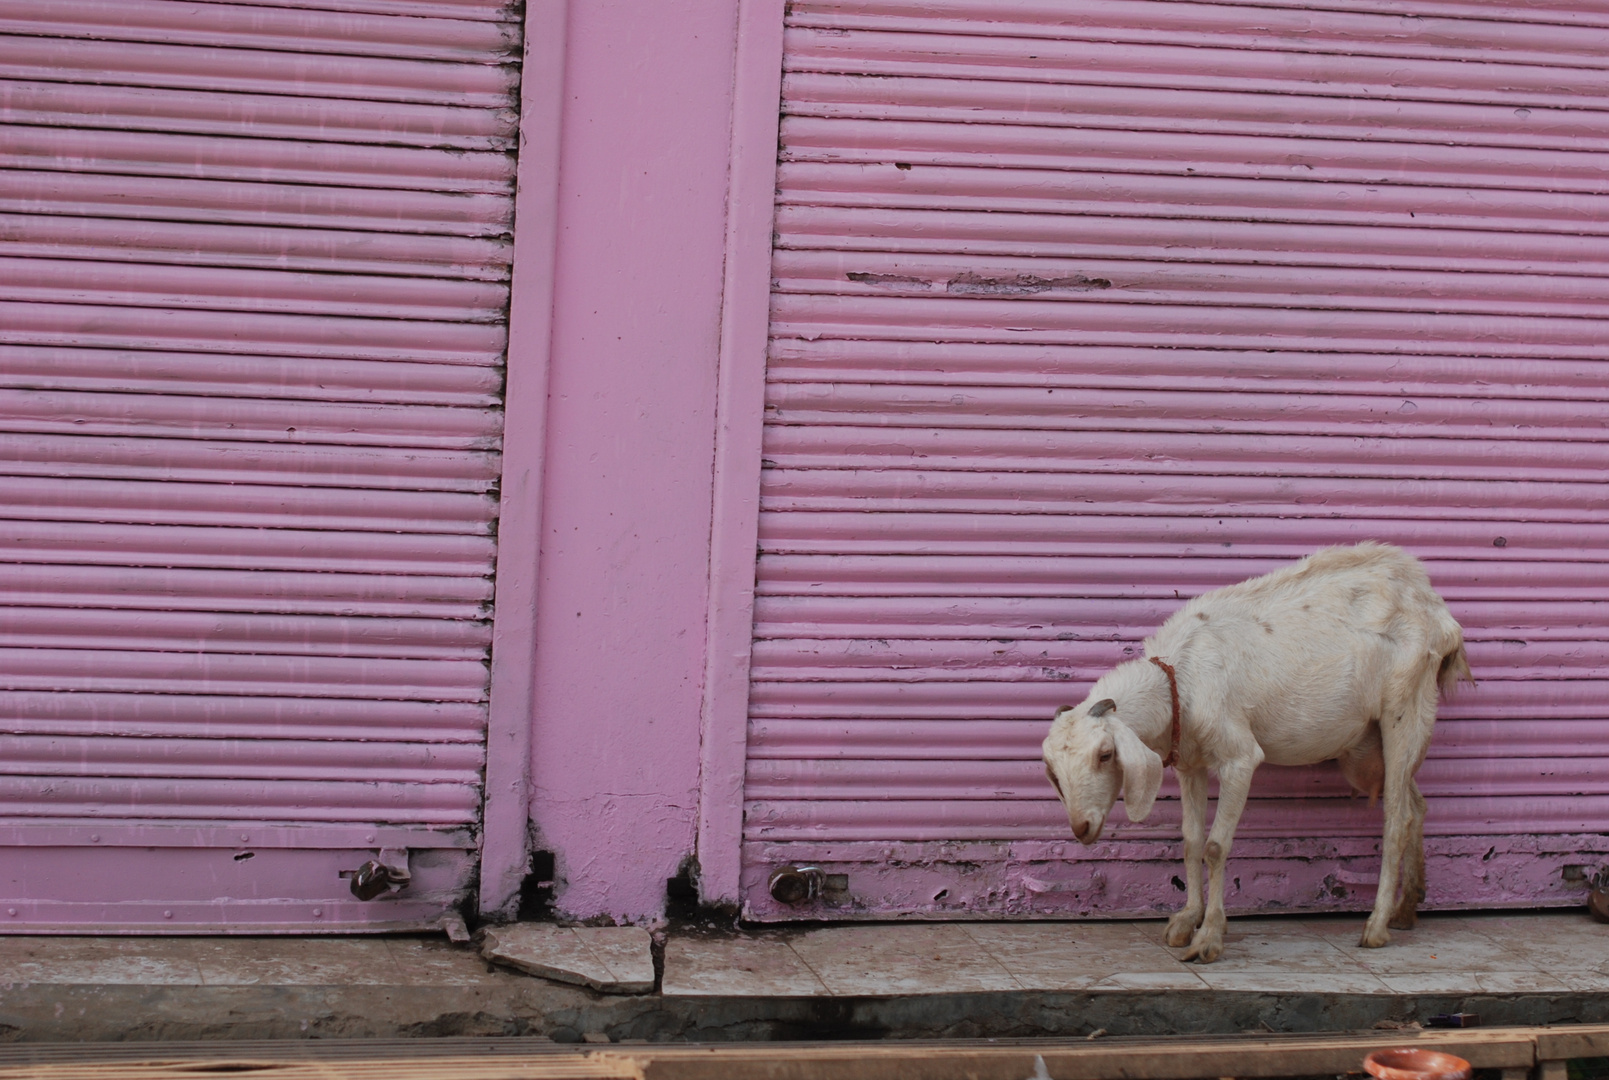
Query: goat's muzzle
[1087, 827]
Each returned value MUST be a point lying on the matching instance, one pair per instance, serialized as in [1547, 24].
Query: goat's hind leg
[1405, 736]
[1364, 767]
[1413, 866]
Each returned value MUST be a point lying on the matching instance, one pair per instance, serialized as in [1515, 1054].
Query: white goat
[1338, 657]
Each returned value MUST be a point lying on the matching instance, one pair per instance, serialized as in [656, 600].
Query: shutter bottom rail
[1145, 878]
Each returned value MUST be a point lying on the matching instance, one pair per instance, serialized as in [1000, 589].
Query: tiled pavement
[1555, 952]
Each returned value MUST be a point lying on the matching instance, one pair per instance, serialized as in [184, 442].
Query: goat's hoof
[1374, 939]
[1181, 928]
[1404, 920]
[1205, 949]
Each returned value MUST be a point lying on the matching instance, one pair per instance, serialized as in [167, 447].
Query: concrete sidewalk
[907, 980]
[1552, 954]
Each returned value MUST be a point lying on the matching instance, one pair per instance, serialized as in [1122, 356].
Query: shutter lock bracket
[387, 874]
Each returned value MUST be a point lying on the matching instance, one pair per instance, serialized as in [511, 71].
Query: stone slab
[906, 958]
[730, 966]
[613, 959]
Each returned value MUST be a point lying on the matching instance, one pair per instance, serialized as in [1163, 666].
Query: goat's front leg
[1193, 801]
[1234, 785]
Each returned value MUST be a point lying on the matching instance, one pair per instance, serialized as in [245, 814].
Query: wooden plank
[1514, 1050]
[1574, 1041]
[568, 1066]
[1182, 1058]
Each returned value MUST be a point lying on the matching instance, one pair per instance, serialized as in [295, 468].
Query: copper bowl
[1405, 1063]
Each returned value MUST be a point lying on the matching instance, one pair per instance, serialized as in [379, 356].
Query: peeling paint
[896, 280]
[970, 284]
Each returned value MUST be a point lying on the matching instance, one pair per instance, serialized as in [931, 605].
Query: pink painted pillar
[624, 562]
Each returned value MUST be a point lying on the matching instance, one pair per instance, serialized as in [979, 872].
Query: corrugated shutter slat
[254, 263]
[1080, 310]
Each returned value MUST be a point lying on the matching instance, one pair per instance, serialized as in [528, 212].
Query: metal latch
[1598, 898]
[377, 877]
[797, 884]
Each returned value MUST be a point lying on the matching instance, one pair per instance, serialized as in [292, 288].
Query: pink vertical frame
[740, 411]
[505, 849]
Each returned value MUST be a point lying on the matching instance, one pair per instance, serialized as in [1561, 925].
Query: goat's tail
[1454, 670]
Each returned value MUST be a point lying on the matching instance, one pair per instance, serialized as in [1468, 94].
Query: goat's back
[1370, 586]
[1316, 649]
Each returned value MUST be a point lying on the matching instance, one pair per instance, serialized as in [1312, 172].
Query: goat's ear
[1142, 772]
[1102, 707]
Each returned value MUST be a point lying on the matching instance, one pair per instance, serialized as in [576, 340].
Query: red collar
[1173, 690]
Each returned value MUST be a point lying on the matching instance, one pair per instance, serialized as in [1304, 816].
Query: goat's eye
[1106, 757]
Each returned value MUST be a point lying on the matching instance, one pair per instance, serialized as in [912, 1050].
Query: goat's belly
[1315, 739]
[1303, 759]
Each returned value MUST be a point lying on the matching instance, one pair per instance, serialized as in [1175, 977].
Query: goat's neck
[1147, 704]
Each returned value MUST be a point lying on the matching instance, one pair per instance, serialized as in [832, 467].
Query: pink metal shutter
[1081, 309]
[253, 294]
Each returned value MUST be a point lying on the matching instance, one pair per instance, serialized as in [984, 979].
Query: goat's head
[1091, 755]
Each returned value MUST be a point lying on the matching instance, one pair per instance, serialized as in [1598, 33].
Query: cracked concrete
[614, 959]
